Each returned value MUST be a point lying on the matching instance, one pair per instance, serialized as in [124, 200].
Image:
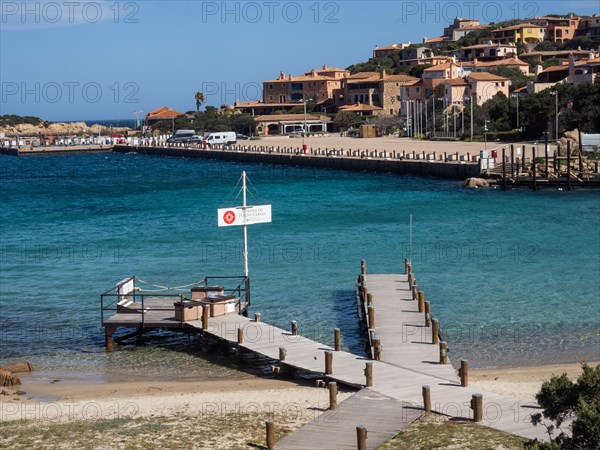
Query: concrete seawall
[440, 169]
[50, 151]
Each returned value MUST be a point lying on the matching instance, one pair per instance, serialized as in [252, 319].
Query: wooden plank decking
[408, 361]
[382, 416]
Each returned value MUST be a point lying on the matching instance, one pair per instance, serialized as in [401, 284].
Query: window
[417, 89]
[391, 112]
[270, 98]
[271, 86]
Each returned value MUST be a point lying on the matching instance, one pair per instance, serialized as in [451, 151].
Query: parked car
[241, 136]
[181, 136]
[195, 140]
[298, 133]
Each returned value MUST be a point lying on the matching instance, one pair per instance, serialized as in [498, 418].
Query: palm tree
[199, 100]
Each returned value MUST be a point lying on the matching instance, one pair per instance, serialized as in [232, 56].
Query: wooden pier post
[282, 353]
[369, 299]
[421, 301]
[533, 168]
[406, 266]
[376, 349]
[363, 267]
[568, 165]
[205, 316]
[328, 363]
[270, 434]
[108, 340]
[443, 352]
[503, 169]
[371, 311]
[512, 160]
[294, 328]
[337, 338]
[332, 395]
[415, 292]
[428, 314]
[361, 437]
[427, 398]
[257, 317]
[463, 372]
[240, 335]
[369, 374]
[546, 153]
[477, 407]
[435, 331]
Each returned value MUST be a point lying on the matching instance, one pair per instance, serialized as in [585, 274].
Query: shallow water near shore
[513, 277]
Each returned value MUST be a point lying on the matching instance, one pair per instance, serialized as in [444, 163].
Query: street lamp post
[485, 131]
[434, 98]
[555, 93]
[304, 131]
[471, 100]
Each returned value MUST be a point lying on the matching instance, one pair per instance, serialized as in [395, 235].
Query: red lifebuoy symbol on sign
[229, 217]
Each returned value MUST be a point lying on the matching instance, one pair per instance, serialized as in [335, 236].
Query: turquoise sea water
[513, 277]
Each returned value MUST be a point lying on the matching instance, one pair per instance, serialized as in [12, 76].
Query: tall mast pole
[410, 239]
[245, 227]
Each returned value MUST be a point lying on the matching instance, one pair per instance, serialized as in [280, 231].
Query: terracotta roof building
[481, 86]
[274, 124]
[318, 85]
[526, 33]
[380, 91]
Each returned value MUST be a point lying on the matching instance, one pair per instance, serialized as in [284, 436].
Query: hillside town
[467, 66]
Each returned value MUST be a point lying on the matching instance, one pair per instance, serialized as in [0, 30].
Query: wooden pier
[409, 372]
[566, 172]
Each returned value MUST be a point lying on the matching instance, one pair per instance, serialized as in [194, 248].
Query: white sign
[230, 217]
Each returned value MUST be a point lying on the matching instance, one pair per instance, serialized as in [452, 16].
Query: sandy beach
[225, 413]
[49, 398]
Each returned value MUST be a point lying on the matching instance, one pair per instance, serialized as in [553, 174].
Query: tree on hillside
[537, 110]
[550, 62]
[561, 399]
[199, 100]
[376, 64]
[583, 42]
[346, 119]
[497, 109]
[518, 78]
[544, 46]
[417, 71]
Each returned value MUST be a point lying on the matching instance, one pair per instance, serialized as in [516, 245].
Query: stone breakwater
[326, 159]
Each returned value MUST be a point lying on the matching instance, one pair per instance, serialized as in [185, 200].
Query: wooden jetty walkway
[409, 372]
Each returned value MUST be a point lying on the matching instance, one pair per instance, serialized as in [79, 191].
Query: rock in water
[8, 379]
[475, 183]
[23, 366]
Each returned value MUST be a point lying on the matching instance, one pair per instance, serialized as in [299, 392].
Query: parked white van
[223, 137]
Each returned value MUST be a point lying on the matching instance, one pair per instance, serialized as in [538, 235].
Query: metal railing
[110, 299]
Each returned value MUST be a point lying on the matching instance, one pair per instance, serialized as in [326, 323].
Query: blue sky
[80, 60]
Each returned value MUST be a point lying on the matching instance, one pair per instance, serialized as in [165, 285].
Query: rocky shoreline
[74, 128]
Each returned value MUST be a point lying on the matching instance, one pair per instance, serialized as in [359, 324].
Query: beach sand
[223, 413]
[74, 399]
